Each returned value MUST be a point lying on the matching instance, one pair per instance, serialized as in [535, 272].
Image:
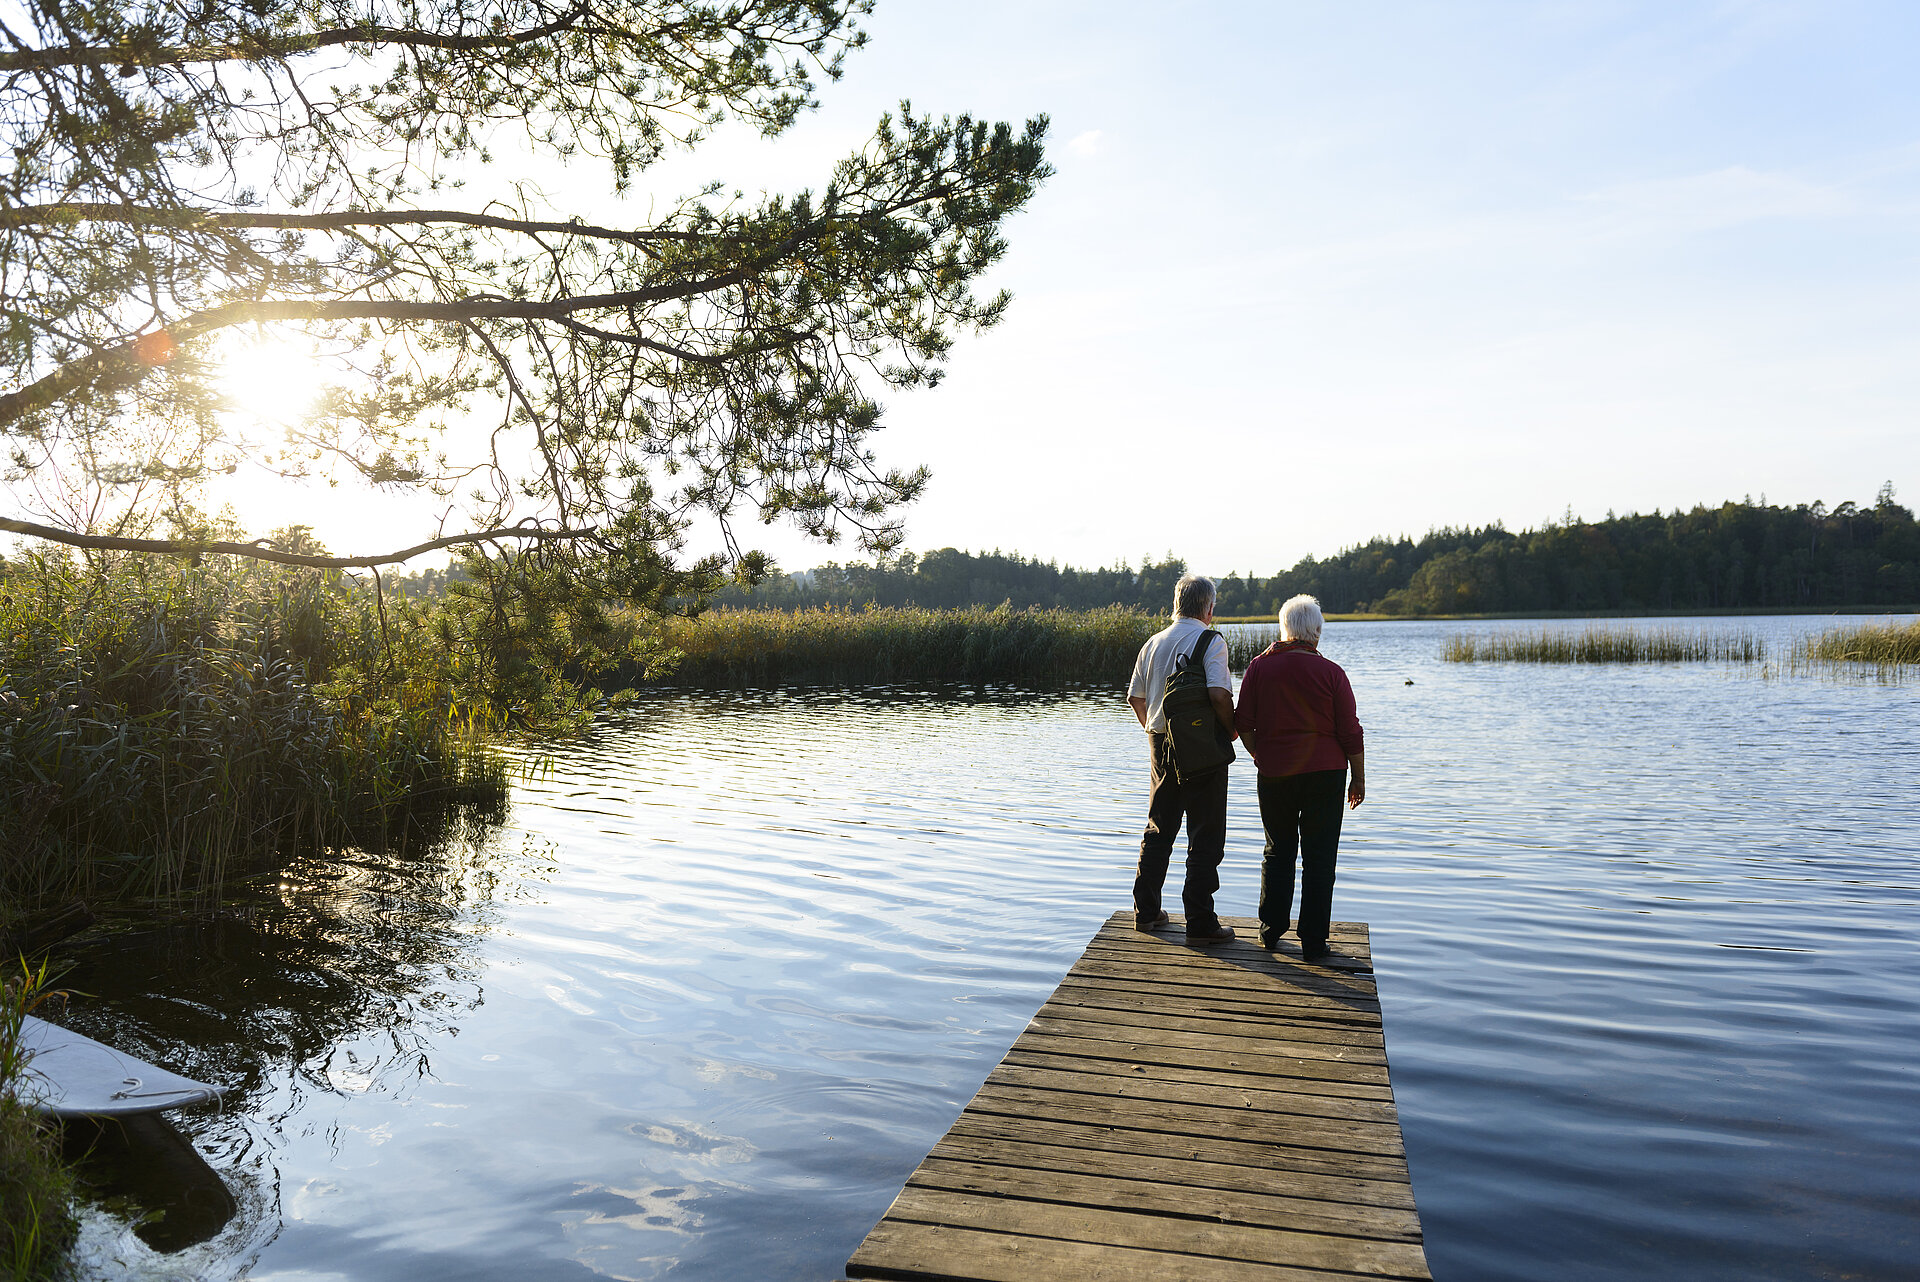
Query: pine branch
[190, 220]
[259, 550]
[273, 46]
[127, 363]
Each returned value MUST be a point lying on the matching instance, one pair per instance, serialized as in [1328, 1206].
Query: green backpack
[1200, 744]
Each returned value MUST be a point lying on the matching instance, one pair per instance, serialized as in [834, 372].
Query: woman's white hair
[1301, 620]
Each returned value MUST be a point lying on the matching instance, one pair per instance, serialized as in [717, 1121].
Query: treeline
[948, 579]
[1737, 556]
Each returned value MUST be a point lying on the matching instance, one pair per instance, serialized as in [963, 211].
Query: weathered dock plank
[1174, 1112]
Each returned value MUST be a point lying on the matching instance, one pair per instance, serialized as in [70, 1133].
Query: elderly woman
[1296, 716]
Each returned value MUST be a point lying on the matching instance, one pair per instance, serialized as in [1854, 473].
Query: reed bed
[167, 730]
[1880, 645]
[737, 648]
[164, 731]
[1606, 645]
[1245, 644]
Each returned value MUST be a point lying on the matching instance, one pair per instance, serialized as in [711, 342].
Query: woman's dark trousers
[1203, 802]
[1301, 814]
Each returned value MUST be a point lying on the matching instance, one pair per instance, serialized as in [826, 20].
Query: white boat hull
[73, 1076]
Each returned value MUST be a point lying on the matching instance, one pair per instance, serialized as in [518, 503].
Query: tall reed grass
[1881, 645]
[878, 646]
[1244, 644]
[164, 730]
[1606, 645]
[35, 1185]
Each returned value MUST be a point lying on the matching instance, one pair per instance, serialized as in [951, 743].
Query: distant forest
[1741, 555]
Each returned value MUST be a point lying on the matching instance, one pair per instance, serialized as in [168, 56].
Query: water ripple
[1644, 939]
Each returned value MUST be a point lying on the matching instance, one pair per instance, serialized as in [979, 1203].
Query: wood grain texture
[1174, 1111]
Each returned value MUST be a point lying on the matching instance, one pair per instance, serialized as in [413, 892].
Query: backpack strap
[1199, 650]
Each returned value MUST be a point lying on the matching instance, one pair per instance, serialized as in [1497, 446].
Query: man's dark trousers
[1301, 814]
[1203, 803]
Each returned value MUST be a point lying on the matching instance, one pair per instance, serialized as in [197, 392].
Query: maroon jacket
[1296, 712]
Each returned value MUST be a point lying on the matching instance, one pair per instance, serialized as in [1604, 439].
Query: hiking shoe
[1158, 921]
[1218, 933]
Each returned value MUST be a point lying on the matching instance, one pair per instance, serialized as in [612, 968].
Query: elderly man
[1202, 801]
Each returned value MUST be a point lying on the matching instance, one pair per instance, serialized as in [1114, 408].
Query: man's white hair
[1301, 620]
[1193, 596]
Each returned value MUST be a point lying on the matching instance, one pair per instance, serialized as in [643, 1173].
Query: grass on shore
[732, 648]
[35, 1185]
[1606, 645]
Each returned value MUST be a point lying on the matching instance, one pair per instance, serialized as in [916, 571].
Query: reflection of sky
[749, 955]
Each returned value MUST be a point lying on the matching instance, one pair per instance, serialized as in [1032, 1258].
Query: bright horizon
[1308, 276]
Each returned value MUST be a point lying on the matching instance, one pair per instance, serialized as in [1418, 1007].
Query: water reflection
[143, 1167]
[342, 981]
[734, 963]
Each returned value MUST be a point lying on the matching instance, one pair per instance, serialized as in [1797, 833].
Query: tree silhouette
[183, 168]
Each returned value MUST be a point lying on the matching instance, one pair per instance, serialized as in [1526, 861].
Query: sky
[1309, 273]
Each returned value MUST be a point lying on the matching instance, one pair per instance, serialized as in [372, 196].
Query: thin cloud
[1087, 144]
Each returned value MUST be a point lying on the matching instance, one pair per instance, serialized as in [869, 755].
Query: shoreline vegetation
[1607, 645]
[885, 645]
[1887, 647]
[167, 731]
[1737, 557]
[170, 734]
[36, 1186]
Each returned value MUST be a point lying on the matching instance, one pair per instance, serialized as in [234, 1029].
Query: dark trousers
[1203, 803]
[1301, 814]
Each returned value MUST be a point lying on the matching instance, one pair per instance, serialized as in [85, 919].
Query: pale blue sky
[1314, 272]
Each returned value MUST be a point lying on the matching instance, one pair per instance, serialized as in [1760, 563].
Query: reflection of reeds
[1607, 645]
[868, 647]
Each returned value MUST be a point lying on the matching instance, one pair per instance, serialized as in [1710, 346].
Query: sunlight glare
[271, 382]
[274, 379]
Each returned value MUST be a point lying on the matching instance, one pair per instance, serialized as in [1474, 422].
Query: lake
[1645, 940]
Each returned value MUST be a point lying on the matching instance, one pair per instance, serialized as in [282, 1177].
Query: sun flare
[270, 383]
[274, 379]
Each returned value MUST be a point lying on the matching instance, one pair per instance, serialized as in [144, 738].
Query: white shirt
[1155, 665]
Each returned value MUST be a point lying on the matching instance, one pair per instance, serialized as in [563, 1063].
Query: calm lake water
[1645, 941]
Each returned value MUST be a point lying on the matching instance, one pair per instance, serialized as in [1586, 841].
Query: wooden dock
[1174, 1112]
